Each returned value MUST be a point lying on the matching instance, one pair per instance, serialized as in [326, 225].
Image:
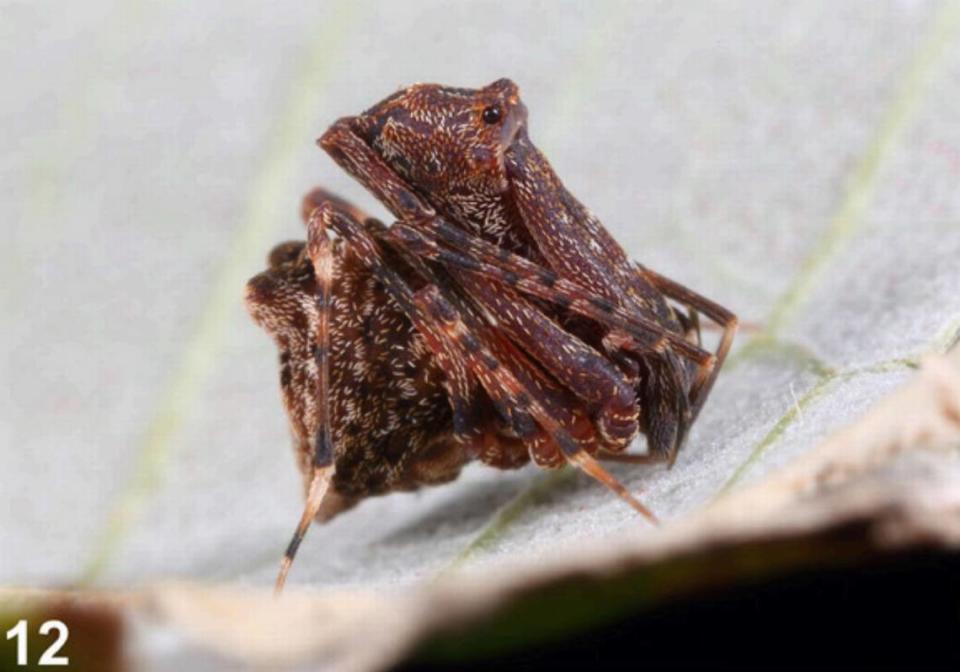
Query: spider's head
[446, 141]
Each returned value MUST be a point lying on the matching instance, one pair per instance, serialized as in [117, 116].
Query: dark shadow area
[901, 613]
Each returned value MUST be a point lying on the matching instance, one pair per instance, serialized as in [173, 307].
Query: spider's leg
[508, 393]
[318, 196]
[352, 154]
[495, 447]
[461, 389]
[320, 251]
[576, 244]
[573, 246]
[632, 458]
[590, 376]
[665, 412]
[472, 331]
[479, 256]
[653, 341]
[667, 420]
[319, 486]
[504, 387]
[363, 243]
[720, 315]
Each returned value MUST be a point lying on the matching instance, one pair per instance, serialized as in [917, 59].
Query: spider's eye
[492, 114]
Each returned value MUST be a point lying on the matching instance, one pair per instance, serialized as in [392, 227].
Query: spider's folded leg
[502, 384]
[728, 323]
[591, 377]
[666, 417]
[317, 196]
[526, 405]
[428, 237]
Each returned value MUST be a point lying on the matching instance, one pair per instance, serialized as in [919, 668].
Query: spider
[495, 320]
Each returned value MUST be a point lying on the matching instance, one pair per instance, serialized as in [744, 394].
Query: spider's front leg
[561, 224]
[351, 153]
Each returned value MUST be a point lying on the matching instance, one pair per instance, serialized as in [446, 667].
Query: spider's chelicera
[496, 319]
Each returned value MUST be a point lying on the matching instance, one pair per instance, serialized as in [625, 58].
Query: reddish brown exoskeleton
[496, 320]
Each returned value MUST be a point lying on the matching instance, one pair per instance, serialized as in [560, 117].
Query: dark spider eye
[492, 114]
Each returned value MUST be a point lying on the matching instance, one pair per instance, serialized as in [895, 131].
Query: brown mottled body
[496, 320]
[390, 419]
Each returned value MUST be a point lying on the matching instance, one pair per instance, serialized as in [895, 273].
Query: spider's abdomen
[390, 418]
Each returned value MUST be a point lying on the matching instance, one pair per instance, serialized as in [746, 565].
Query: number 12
[49, 657]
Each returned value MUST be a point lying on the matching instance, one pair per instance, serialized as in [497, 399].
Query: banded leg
[578, 367]
[665, 411]
[320, 251]
[502, 354]
[352, 154]
[365, 245]
[724, 318]
[501, 383]
[512, 271]
[498, 449]
[479, 256]
[318, 196]
[428, 306]
[461, 390]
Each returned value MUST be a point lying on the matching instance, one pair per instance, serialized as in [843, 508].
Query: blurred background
[797, 162]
